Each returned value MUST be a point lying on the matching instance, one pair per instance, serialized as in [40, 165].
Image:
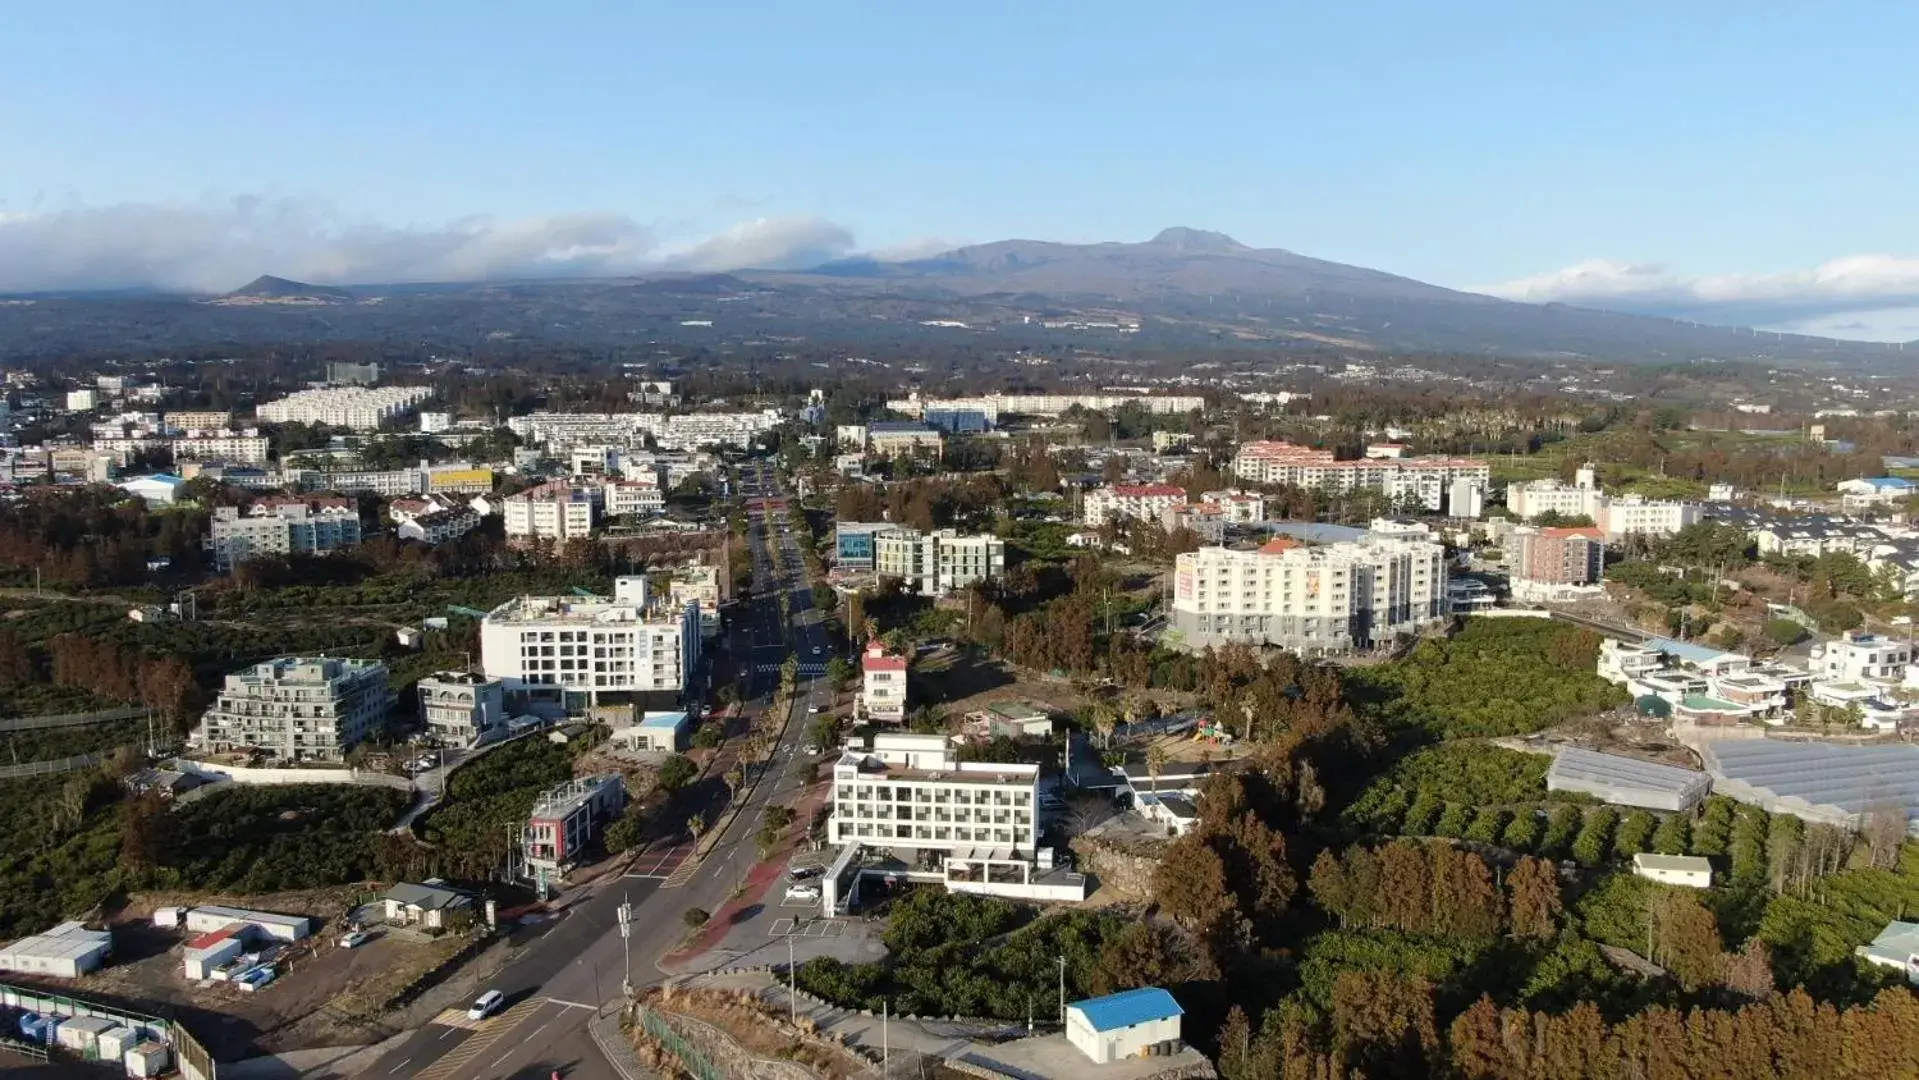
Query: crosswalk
[805, 669]
[682, 873]
[486, 1033]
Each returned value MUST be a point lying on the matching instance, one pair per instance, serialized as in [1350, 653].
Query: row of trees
[1429, 888]
[105, 668]
[1385, 1025]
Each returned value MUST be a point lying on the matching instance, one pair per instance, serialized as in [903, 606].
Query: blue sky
[1706, 158]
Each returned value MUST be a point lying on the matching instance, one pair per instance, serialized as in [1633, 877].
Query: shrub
[1785, 632]
[694, 917]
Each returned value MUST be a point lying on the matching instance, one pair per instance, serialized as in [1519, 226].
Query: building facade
[883, 684]
[556, 511]
[593, 645]
[1131, 502]
[460, 708]
[1317, 600]
[282, 527]
[1551, 562]
[297, 708]
[1428, 481]
[564, 822]
[356, 408]
[909, 791]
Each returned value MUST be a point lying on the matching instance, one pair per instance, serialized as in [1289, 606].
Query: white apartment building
[994, 405]
[1130, 502]
[289, 526]
[356, 408]
[198, 421]
[1315, 600]
[1860, 657]
[1536, 497]
[556, 511]
[593, 645]
[1426, 480]
[462, 709]
[432, 519]
[1630, 515]
[936, 563]
[690, 431]
[1234, 506]
[246, 446]
[641, 497]
[560, 433]
[882, 684]
[297, 708]
[82, 400]
[698, 583]
[964, 560]
[910, 791]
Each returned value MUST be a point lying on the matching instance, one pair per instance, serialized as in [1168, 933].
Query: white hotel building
[593, 645]
[909, 793]
[1315, 600]
[556, 511]
[297, 708]
[1131, 502]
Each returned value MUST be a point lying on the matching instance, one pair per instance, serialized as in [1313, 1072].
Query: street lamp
[625, 914]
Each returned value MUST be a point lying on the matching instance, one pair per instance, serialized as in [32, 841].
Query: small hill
[268, 287]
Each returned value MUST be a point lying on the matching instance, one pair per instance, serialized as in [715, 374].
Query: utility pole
[625, 914]
[1062, 989]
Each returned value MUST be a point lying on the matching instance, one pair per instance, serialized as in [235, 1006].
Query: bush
[1561, 826]
[1594, 842]
[1523, 832]
[676, 772]
[1785, 632]
[707, 737]
[1634, 835]
[694, 917]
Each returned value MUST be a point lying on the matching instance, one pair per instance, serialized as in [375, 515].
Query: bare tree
[1885, 833]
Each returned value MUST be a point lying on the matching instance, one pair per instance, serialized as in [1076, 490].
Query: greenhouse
[1627, 781]
[1821, 782]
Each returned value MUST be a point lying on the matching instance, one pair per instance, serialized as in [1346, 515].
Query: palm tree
[1155, 763]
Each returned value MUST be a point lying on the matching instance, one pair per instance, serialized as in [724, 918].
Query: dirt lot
[319, 997]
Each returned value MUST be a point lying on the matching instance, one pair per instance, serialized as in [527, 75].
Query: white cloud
[218, 245]
[768, 244]
[1853, 284]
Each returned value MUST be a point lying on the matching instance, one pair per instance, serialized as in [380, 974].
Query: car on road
[816, 650]
[354, 938]
[812, 710]
[484, 1005]
[803, 893]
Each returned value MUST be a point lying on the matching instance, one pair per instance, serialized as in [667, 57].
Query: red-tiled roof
[215, 937]
[1278, 544]
[1560, 532]
[1148, 489]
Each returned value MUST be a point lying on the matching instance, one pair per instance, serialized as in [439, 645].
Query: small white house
[69, 951]
[1690, 871]
[1132, 1023]
[1897, 946]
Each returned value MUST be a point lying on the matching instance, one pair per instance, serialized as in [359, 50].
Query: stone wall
[1128, 872]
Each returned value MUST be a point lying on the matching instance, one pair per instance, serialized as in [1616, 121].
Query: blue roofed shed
[665, 731]
[1132, 1023]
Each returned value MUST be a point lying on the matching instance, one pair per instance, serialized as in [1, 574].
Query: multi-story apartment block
[993, 406]
[1314, 600]
[1131, 502]
[1616, 515]
[964, 560]
[556, 511]
[691, 431]
[461, 708]
[934, 563]
[1234, 506]
[1554, 563]
[883, 684]
[285, 526]
[246, 446]
[888, 439]
[560, 433]
[197, 420]
[356, 408]
[699, 583]
[638, 497]
[910, 791]
[591, 646]
[1630, 515]
[563, 823]
[297, 708]
[853, 544]
[1427, 481]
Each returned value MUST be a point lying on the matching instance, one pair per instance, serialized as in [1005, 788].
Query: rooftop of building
[68, 940]
[427, 897]
[669, 721]
[576, 610]
[1128, 1007]
[562, 800]
[306, 670]
[1646, 860]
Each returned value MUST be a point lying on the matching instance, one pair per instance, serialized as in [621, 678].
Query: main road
[555, 982]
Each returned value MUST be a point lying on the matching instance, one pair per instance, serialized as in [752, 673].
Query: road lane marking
[398, 1067]
[573, 1004]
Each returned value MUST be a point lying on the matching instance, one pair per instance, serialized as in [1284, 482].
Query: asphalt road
[554, 983]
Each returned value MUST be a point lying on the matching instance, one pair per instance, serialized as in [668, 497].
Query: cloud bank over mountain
[1872, 296]
[217, 245]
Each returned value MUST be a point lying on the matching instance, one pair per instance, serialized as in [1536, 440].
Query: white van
[484, 1005]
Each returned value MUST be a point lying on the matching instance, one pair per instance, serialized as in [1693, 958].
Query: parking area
[785, 926]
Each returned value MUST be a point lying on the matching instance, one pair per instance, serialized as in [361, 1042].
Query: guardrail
[61, 720]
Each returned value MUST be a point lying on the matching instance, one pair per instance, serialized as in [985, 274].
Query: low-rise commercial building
[297, 708]
[564, 822]
[431, 906]
[883, 684]
[67, 951]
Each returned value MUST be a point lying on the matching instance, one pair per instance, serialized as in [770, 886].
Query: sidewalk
[745, 909]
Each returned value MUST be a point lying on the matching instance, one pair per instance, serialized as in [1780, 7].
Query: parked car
[812, 710]
[801, 873]
[803, 893]
[354, 938]
[484, 1005]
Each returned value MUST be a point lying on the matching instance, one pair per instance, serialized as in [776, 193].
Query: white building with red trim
[883, 684]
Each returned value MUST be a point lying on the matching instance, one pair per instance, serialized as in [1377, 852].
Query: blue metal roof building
[1132, 1023]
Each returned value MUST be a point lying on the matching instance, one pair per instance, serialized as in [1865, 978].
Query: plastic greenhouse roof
[1572, 763]
[1842, 779]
